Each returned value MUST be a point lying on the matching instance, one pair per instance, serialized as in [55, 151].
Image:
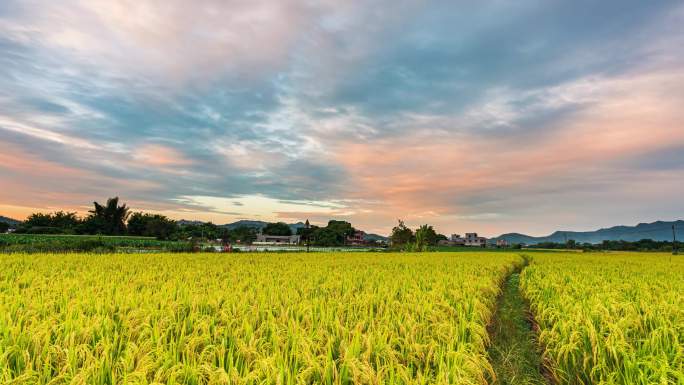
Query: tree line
[114, 218]
[423, 239]
[616, 245]
[110, 218]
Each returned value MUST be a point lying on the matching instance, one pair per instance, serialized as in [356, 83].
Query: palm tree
[425, 236]
[112, 216]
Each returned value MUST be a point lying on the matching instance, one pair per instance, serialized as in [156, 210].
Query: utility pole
[674, 240]
[307, 227]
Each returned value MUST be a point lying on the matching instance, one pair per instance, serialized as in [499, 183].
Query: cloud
[170, 42]
[161, 156]
[461, 114]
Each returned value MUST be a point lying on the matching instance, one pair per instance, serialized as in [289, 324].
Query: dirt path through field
[513, 351]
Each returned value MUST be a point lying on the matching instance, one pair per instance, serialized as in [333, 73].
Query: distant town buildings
[470, 239]
[501, 243]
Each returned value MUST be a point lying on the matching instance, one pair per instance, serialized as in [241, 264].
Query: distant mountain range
[185, 222]
[376, 237]
[243, 223]
[259, 225]
[657, 231]
[12, 222]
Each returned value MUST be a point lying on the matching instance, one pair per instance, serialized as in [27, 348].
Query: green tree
[203, 230]
[209, 231]
[38, 220]
[401, 235]
[137, 223]
[242, 234]
[109, 218]
[151, 225]
[342, 229]
[59, 222]
[92, 225]
[425, 237]
[4, 227]
[324, 236]
[279, 228]
[161, 227]
[307, 233]
[65, 220]
[334, 234]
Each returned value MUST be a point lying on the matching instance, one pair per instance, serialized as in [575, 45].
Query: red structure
[358, 239]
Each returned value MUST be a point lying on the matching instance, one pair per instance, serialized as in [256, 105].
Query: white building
[264, 239]
[457, 240]
[471, 239]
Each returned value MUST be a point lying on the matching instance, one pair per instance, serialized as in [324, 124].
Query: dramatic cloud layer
[486, 116]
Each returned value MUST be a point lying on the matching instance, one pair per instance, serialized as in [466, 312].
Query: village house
[457, 240]
[471, 239]
[265, 239]
[357, 239]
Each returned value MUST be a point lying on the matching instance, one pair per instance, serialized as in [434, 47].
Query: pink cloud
[30, 182]
[422, 176]
[159, 155]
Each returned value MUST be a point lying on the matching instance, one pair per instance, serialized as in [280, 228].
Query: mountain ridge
[657, 231]
[9, 221]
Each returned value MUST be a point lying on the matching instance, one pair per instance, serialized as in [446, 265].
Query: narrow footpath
[513, 351]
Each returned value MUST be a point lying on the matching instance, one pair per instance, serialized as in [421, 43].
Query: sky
[473, 116]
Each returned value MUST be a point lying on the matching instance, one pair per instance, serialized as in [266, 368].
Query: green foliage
[151, 225]
[35, 243]
[242, 234]
[513, 352]
[59, 222]
[425, 237]
[307, 232]
[202, 231]
[279, 228]
[327, 237]
[110, 218]
[334, 234]
[401, 235]
[4, 227]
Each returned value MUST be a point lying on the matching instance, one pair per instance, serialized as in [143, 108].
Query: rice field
[335, 318]
[609, 318]
[248, 319]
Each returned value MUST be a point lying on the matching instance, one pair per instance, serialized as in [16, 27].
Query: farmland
[80, 243]
[337, 318]
[609, 318]
[250, 318]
